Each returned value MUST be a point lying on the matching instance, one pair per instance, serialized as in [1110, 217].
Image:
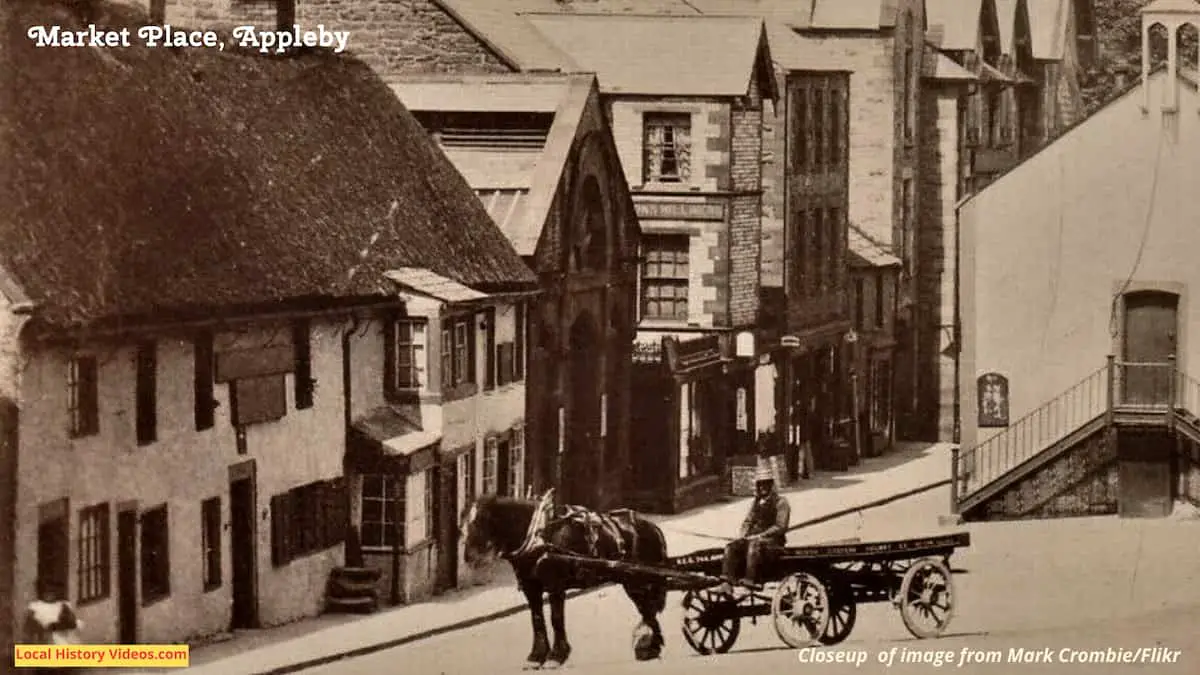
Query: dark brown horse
[501, 527]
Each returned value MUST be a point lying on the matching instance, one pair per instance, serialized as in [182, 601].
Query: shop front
[685, 421]
[816, 402]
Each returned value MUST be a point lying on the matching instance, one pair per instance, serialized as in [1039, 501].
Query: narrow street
[1078, 584]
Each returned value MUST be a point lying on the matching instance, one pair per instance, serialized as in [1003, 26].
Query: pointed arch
[1157, 38]
[1187, 41]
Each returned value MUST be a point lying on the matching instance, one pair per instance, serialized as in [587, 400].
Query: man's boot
[753, 554]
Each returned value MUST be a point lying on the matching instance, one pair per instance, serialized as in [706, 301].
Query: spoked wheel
[927, 598]
[800, 610]
[842, 615]
[711, 622]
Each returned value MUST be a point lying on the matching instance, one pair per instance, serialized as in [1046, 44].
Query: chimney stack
[285, 14]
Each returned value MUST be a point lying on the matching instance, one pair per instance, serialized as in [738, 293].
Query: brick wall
[936, 244]
[392, 36]
[1080, 482]
[745, 217]
[774, 185]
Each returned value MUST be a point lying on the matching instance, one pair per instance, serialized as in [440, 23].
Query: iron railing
[1127, 385]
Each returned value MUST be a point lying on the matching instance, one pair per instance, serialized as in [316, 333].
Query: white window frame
[415, 347]
[516, 462]
[388, 504]
[462, 360]
[491, 458]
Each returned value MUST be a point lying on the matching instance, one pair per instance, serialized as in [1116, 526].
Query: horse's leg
[650, 601]
[562, 648]
[541, 646]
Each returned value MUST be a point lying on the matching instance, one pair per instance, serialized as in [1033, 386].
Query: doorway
[1146, 463]
[1151, 325]
[127, 571]
[242, 546]
[445, 500]
[579, 473]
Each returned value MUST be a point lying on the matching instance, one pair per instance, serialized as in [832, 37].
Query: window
[834, 223]
[93, 553]
[418, 507]
[447, 358]
[210, 541]
[379, 510]
[800, 262]
[906, 224]
[516, 462]
[302, 355]
[202, 381]
[858, 304]
[83, 396]
[491, 455]
[155, 551]
[801, 129]
[146, 395]
[910, 40]
[408, 356]
[820, 253]
[665, 277]
[879, 298]
[307, 519]
[519, 341]
[466, 474]
[667, 147]
[836, 138]
[694, 455]
[820, 127]
[461, 364]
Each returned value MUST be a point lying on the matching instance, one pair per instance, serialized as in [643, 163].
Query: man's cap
[763, 474]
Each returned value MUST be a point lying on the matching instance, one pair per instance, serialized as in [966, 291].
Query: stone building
[538, 150]
[989, 101]
[182, 362]
[408, 37]
[1078, 382]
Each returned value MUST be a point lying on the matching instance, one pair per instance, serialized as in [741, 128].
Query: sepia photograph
[464, 337]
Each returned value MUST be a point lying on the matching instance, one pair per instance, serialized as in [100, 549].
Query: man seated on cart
[763, 534]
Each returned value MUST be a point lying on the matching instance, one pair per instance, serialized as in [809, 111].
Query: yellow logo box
[101, 656]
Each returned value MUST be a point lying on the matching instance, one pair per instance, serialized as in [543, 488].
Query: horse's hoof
[552, 665]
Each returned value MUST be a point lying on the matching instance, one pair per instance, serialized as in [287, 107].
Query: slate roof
[866, 252]
[710, 56]
[432, 284]
[1048, 27]
[953, 24]
[516, 186]
[176, 183]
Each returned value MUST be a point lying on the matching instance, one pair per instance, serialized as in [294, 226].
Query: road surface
[1079, 584]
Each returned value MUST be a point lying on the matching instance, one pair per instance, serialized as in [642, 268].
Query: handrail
[1085, 400]
[1099, 393]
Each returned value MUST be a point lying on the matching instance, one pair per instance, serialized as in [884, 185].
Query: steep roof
[937, 66]
[1006, 11]
[1048, 28]
[512, 184]
[173, 183]
[953, 24]
[711, 56]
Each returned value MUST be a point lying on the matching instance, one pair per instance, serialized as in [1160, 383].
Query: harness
[614, 524]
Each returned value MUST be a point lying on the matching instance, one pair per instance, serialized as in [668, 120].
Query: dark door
[579, 473]
[53, 561]
[243, 552]
[1150, 330]
[127, 600]
[445, 501]
[503, 467]
[1145, 475]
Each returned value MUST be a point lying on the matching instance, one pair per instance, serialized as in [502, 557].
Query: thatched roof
[150, 182]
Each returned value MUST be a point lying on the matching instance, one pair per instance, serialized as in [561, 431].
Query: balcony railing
[1126, 386]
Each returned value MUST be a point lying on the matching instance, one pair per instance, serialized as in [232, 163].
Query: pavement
[1078, 584]
[334, 638]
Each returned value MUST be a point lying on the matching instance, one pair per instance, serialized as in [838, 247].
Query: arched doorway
[580, 472]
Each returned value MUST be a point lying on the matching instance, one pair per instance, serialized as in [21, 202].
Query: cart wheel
[800, 610]
[927, 598]
[844, 611]
[711, 622]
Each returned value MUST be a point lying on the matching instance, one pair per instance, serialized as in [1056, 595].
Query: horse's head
[483, 532]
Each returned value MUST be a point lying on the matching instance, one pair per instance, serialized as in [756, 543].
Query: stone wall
[1080, 482]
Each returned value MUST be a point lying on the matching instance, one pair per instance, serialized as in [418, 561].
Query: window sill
[665, 324]
[151, 600]
[661, 186]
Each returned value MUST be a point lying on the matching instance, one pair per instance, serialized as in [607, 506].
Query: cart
[812, 593]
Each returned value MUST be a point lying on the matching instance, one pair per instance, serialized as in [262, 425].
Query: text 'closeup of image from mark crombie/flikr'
[243, 37]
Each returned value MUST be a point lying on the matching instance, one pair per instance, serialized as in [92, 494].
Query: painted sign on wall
[992, 400]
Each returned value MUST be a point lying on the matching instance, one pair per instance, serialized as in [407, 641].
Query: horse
[517, 530]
